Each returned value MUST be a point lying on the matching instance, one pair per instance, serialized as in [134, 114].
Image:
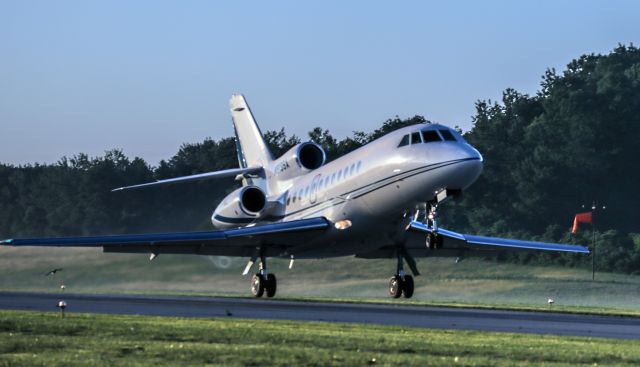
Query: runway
[274, 309]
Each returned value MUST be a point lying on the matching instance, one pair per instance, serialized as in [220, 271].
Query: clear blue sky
[147, 76]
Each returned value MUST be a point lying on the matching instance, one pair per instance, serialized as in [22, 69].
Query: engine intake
[299, 160]
[241, 207]
[311, 156]
[252, 199]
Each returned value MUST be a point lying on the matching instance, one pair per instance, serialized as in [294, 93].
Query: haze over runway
[148, 76]
[402, 315]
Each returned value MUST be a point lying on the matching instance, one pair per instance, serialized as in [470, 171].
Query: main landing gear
[262, 282]
[401, 283]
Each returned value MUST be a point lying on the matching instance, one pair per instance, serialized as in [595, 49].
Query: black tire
[431, 241]
[257, 285]
[270, 285]
[407, 287]
[439, 241]
[395, 286]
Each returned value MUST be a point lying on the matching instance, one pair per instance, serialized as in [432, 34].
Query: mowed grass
[44, 339]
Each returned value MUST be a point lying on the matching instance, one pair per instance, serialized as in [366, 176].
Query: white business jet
[379, 201]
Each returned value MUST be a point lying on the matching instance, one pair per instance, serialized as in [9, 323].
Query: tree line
[573, 143]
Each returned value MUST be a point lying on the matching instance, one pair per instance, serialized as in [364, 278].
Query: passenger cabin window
[447, 135]
[430, 136]
[404, 141]
[415, 138]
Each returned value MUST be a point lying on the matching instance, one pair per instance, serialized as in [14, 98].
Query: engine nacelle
[240, 207]
[299, 160]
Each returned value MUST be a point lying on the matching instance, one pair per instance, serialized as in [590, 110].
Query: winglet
[7, 241]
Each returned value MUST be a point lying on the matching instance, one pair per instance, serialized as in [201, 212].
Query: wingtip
[7, 241]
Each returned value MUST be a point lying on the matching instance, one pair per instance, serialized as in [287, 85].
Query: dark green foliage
[546, 156]
[573, 143]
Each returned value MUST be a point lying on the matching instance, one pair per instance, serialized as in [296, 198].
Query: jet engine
[300, 159]
[240, 207]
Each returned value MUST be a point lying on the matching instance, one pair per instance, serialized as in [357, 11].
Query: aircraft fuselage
[375, 188]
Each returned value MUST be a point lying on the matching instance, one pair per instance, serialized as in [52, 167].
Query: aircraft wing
[275, 239]
[464, 245]
[201, 176]
[489, 243]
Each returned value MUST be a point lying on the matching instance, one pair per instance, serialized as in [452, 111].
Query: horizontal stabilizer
[201, 176]
[494, 243]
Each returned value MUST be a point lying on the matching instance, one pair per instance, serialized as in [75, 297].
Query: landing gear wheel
[270, 285]
[433, 241]
[395, 286]
[407, 286]
[257, 285]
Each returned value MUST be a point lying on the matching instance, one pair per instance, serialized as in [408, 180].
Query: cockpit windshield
[404, 141]
[427, 136]
[415, 138]
[447, 135]
[430, 135]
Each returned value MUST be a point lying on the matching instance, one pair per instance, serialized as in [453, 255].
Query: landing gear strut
[263, 282]
[401, 283]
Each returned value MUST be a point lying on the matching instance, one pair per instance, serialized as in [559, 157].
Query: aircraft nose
[472, 166]
[476, 154]
[477, 163]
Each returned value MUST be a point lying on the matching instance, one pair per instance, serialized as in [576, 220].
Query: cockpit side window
[415, 138]
[447, 135]
[430, 136]
[404, 141]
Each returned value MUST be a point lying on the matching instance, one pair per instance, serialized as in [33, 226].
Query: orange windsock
[581, 218]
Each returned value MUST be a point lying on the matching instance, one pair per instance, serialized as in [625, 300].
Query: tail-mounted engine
[241, 207]
[300, 159]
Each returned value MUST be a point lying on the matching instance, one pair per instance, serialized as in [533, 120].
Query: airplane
[378, 202]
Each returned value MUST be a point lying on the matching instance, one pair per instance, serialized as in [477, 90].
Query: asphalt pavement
[383, 314]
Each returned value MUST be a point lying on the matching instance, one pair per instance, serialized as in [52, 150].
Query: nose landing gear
[430, 218]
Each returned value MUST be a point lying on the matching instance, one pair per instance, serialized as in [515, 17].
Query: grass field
[44, 339]
[470, 282]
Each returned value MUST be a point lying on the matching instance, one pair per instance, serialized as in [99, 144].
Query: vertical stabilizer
[252, 149]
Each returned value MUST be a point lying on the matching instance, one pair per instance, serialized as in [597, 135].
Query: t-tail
[252, 149]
